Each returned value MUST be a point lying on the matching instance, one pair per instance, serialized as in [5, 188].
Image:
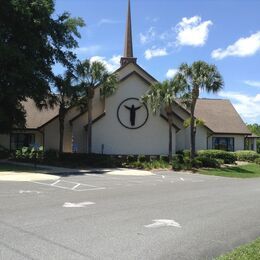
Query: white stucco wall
[152, 138]
[183, 139]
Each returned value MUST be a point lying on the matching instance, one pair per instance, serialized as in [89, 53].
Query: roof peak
[128, 50]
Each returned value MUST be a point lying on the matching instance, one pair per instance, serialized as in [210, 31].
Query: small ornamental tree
[91, 75]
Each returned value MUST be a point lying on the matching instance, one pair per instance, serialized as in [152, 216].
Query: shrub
[131, 158]
[196, 163]
[163, 158]
[144, 158]
[186, 153]
[209, 162]
[179, 158]
[177, 166]
[248, 156]
[228, 157]
[155, 164]
[257, 161]
[187, 163]
[29, 154]
[221, 161]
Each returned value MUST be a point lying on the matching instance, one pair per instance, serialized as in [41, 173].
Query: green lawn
[244, 171]
[5, 167]
[249, 251]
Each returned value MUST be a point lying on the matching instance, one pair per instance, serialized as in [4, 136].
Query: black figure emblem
[132, 105]
[132, 110]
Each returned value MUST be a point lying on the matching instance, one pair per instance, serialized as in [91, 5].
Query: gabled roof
[35, 117]
[151, 78]
[220, 116]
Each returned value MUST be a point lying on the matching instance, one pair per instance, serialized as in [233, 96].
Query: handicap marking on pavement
[69, 185]
[77, 205]
[163, 223]
[29, 191]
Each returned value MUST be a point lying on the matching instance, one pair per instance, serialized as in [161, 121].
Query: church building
[124, 126]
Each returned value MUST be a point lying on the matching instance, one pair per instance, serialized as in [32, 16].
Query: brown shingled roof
[35, 117]
[220, 116]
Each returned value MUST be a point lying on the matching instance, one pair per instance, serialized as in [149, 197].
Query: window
[22, 140]
[223, 143]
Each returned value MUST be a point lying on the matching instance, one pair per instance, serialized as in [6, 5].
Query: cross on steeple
[128, 51]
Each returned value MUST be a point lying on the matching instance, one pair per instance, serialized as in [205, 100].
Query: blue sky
[169, 32]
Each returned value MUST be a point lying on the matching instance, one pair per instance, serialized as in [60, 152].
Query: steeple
[128, 52]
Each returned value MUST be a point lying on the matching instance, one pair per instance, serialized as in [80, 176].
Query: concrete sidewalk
[60, 170]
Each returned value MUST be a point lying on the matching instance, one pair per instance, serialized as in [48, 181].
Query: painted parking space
[69, 185]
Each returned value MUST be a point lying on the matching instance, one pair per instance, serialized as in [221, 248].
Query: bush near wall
[131, 161]
[210, 162]
[227, 157]
[78, 160]
[248, 156]
[29, 154]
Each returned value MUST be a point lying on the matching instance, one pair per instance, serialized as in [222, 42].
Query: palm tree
[162, 95]
[200, 76]
[91, 75]
[66, 95]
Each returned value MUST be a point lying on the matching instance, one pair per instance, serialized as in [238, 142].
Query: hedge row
[204, 158]
[93, 160]
[227, 157]
[249, 156]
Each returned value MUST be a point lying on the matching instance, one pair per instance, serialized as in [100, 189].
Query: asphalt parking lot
[100, 216]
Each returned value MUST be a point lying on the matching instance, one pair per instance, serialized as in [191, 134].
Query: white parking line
[55, 182]
[76, 186]
[69, 185]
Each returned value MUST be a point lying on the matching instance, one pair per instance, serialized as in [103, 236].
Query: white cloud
[247, 106]
[192, 31]
[147, 36]
[155, 52]
[111, 64]
[252, 83]
[171, 73]
[243, 47]
[91, 50]
[107, 21]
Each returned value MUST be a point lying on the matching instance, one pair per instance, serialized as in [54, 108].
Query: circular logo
[132, 114]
